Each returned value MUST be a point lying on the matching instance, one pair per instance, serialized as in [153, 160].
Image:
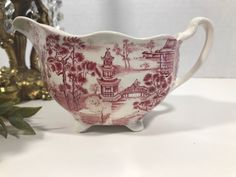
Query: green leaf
[4, 128]
[22, 112]
[19, 123]
[6, 106]
[5, 100]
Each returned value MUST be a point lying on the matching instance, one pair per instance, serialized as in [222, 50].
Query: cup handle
[189, 32]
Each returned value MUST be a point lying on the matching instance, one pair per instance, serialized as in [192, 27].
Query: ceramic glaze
[109, 78]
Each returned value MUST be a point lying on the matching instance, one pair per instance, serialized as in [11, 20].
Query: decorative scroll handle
[189, 32]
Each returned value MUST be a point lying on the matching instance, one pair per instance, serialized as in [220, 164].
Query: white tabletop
[191, 134]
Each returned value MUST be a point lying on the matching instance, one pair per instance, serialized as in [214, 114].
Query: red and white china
[109, 78]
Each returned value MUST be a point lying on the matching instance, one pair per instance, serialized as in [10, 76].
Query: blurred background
[144, 18]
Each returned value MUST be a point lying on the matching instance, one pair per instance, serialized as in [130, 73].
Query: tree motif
[66, 60]
[124, 51]
[155, 81]
[158, 86]
[151, 45]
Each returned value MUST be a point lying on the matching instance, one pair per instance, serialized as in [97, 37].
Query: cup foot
[82, 127]
[133, 126]
[136, 126]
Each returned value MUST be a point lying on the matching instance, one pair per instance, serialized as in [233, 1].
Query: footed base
[82, 127]
[136, 126]
[133, 126]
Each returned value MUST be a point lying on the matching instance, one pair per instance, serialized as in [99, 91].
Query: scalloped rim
[54, 30]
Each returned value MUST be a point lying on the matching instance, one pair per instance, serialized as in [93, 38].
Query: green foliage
[14, 115]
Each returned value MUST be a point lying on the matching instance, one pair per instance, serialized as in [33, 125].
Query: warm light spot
[2, 89]
[13, 71]
[43, 97]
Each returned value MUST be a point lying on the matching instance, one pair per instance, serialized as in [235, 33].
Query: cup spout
[29, 28]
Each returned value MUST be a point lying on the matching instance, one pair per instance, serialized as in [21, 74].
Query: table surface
[191, 134]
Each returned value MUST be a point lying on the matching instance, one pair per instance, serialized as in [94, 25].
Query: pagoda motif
[108, 83]
[164, 56]
[167, 54]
